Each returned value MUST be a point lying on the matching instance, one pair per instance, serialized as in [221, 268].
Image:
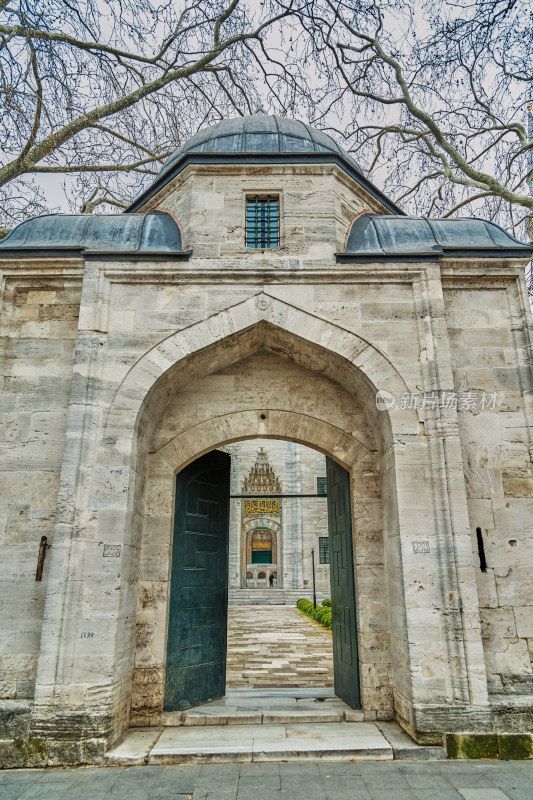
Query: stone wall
[493, 372]
[38, 324]
[317, 204]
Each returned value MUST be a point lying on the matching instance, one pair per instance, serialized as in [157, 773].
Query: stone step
[280, 597]
[404, 747]
[238, 716]
[332, 741]
[267, 706]
[268, 725]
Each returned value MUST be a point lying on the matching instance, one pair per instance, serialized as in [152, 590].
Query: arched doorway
[274, 386]
[261, 557]
[261, 547]
[394, 462]
[197, 618]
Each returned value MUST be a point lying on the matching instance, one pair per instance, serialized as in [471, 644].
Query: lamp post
[314, 584]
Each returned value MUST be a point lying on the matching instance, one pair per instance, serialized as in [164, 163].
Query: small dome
[259, 133]
[386, 236]
[131, 234]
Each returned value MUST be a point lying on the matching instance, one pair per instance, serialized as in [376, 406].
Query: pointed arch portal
[314, 383]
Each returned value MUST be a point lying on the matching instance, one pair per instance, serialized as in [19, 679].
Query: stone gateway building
[261, 288]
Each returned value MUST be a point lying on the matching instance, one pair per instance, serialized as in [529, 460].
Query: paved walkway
[436, 780]
[277, 646]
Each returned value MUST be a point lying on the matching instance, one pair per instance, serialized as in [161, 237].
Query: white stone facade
[116, 373]
[298, 528]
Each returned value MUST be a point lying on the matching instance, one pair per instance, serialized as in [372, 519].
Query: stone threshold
[267, 725]
[268, 706]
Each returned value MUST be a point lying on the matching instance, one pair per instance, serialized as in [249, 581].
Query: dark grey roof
[137, 235]
[376, 237]
[264, 139]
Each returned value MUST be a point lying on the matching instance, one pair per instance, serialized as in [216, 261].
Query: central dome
[259, 133]
[260, 139]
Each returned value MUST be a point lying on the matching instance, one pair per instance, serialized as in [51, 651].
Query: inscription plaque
[256, 506]
[111, 551]
[420, 547]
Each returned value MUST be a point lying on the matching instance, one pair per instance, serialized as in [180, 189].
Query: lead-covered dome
[259, 133]
[260, 139]
[132, 235]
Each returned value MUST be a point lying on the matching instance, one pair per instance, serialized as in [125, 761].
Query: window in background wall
[262, 221]
[321, 485]
[323, 550]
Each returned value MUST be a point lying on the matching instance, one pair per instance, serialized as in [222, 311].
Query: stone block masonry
[120, 369]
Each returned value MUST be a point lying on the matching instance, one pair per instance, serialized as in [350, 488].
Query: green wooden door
[345, 661]
[261, 556]
[197, 624]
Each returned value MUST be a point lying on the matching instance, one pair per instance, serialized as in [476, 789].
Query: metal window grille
[321, 486]
[323, 550]
[262, 221]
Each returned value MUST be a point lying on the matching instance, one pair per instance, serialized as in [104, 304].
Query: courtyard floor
[434, 780]
[274, 646]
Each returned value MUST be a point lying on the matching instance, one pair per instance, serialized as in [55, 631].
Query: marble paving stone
[442, 793]
[299, 693]
[10, 792]
[267, 793]
[385, 794]
[19, 776]
[471, 780]
[134, 746]
[38, 791]
[277, 646]
[516, 793]
[484, 794]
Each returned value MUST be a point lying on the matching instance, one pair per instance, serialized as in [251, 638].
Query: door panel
[345, 659]
[261, 556]
[197, 623]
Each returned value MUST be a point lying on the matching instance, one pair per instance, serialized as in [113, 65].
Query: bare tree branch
[437, 115]
[430, 95]
[158, 73]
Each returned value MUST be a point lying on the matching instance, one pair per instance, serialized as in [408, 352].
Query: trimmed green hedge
[321, 614]
[326, 602]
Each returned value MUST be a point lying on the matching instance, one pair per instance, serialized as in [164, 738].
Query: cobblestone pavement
[277, 646]
[400, 780]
